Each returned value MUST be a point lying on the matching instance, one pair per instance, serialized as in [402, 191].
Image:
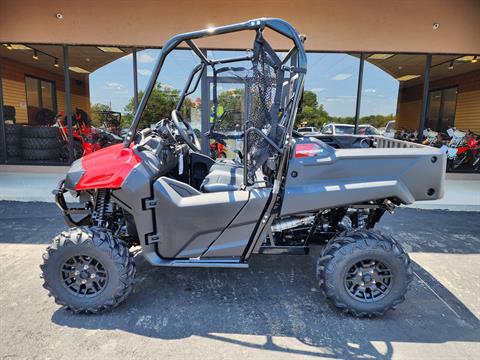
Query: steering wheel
[187, 134]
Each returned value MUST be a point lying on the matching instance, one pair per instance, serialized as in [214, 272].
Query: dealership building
[416, 62]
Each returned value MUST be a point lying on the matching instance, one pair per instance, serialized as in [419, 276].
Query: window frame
[40, 92]
[438, 120]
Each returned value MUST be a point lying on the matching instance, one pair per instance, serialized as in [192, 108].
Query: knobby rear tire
[350, 247]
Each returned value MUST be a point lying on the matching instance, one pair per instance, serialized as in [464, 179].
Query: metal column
[3, 135]
[359, 92]
[68, 102]
[135, 80]
[426, 88]
[205, 123]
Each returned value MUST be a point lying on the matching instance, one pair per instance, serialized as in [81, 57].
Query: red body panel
[107, 168]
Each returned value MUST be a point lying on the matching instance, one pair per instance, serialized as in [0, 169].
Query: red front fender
[107, 168]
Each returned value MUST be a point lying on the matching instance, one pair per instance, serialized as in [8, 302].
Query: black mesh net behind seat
[263, 84]
[262, 110]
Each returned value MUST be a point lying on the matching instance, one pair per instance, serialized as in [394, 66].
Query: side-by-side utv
[281, 195]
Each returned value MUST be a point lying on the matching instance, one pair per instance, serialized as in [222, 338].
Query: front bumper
[67, 211]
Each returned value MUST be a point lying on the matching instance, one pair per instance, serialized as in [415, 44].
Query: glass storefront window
[101, 78]
[47, 93]
[379, 95]
[40, 94]
[441, 109]
[392, 92]
[33, 92]
[453, 108]
[146, 59]
[101, 89]
[330, 90]
[169, 84]
[33, 95]
[102, 85]
[454, 91]
[449, 107]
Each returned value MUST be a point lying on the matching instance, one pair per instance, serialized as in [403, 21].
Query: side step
[209, 263]
[195, 262]
[284, 250]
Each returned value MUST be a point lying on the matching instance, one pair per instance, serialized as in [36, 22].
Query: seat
[223, 176]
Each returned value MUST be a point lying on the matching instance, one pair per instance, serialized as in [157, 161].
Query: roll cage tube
[278, 25]
[199, 68]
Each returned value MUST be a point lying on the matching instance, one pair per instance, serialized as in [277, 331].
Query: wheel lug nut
[93, 275]
[85, 267]
[84, 281]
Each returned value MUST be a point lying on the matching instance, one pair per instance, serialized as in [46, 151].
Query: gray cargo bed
[392, 169]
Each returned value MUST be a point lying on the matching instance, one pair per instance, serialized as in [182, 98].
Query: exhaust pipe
[291, 223]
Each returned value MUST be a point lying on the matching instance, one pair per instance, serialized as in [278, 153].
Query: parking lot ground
[273, 310]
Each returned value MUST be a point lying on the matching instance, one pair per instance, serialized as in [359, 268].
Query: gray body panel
[135, 188]
[186, 223]
[234, 240]
[182, 220]
[336, 178]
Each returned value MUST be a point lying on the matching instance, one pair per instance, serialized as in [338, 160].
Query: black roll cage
[278, 25]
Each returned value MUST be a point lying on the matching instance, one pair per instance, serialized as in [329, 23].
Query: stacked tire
[13, 134]
[40, 143]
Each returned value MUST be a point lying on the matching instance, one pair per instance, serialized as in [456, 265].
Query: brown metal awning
[400, 66]
[88, 58]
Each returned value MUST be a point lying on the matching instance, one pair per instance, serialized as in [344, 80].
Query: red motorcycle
[86, 138]
[469, 152]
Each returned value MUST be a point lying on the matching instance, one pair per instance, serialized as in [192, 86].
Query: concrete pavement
[273, 310]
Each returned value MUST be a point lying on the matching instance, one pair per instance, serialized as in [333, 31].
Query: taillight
[307, 150]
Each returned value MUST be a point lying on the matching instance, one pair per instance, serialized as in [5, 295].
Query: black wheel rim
[84, 276]
[368, 280]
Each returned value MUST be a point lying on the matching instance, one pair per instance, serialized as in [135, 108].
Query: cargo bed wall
[347, 141]
[383, 142]
[343, 177]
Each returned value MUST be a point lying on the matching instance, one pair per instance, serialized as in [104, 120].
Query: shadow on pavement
[29, 222]
[277, 298]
